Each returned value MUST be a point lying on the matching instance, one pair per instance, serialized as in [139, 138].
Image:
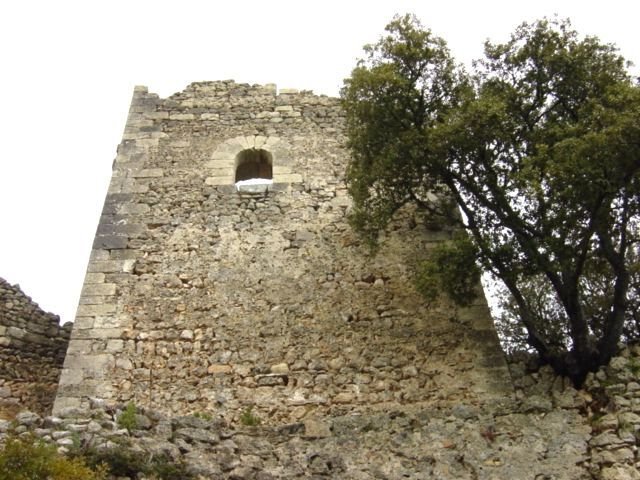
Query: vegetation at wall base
[248, 418]
[538, 149]
[125, 461]
[27, 458]
[127, 418]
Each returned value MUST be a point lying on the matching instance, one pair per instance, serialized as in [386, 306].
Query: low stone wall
[462, 443]
[614, 413]
[548, 430]
[32, 350]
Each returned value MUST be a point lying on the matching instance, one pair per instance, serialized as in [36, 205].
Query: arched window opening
[254, 164]
[254, 170]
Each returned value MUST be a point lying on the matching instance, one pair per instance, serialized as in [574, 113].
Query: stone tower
[203, 294]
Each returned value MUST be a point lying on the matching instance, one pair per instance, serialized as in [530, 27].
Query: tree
[539, 150]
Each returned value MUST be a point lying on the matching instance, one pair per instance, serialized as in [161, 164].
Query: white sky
[69, 68]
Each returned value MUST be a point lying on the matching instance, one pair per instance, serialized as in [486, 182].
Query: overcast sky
[69, 68]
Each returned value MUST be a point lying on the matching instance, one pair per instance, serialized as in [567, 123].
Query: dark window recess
[252, 163]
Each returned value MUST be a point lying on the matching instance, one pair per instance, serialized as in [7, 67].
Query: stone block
[279, 187]
[148, 173]
[182, 116]
[115, 186]
[225, 154]
[124, 363]
[16, 332]
[219, 369]
[279, 368]
[93, 300]
[344, 397]
[115, 346]
[99, 289]
[94, 278]
[260, 140]
[105, 322]
[98, 254]
[99, 363]
[106, 266]
[221, 172]
[63, 403]
[251, 141]
[156, 115]
[83, 323]
[125, 254]
[132, 187]
[93, 310]
[218, 164]
[281, 170]
[127, 265]
[76, 349]
[316, 428]
[226, 180]
[72, 376]
[80, 390]
[133, 209]
[242, 142]
[288, 178]
[98, 333]
[110, 242]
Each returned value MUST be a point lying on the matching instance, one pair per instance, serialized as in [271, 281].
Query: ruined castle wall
[199, 298]
[32, 349]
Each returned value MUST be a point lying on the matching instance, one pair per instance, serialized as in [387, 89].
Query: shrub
[27, 458]
[127, 418]
[248, 418]
[123, 461]
[203, 415]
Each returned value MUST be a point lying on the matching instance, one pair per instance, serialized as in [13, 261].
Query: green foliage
[538, 150]
[634, 366]
[26, 458]
[203, 415]
[127, 418]
[392, 100]
[451, 268]
[248, 418]
[125, 461]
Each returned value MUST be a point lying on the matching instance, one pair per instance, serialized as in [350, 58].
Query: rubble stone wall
[548, 430]
[200, 298]
[32, 349]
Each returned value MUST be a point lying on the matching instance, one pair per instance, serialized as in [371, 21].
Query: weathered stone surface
[597, 441]
[215, 300]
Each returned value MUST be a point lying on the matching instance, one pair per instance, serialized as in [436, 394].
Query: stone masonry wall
[32, 349]
[549, 430]
[199, 298]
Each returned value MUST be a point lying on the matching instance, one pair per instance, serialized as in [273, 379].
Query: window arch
[254, 163]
